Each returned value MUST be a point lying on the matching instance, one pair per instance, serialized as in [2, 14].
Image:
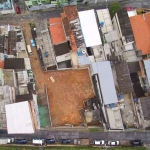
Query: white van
[29, 49]
[38, 141]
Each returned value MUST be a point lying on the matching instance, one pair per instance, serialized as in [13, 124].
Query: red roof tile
[141, 30]
[57, 31]
[67, 27]
[71, 12]
[2, 64]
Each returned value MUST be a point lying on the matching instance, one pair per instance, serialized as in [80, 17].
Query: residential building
[44, 46]
[123, 77]
[141, 29]
[7, 7]
[7, 96]
[20, 118]
[104, 20]
[7, 77]
[91, 32]
[121, 23]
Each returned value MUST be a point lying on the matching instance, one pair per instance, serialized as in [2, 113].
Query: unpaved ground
[66, 94]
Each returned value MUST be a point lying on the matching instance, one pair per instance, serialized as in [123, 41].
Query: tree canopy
[114, 7]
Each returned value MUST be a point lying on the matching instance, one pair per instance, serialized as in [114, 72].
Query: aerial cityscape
[74, 74]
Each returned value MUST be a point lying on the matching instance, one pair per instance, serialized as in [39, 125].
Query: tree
[114, 7]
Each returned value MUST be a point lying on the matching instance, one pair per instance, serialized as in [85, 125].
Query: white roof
[19, 118]
[104, 16]
[132, 13]
[89, 28]
[106, 81]
[147, 68]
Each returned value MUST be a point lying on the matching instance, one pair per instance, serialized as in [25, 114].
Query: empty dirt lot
[66, 94]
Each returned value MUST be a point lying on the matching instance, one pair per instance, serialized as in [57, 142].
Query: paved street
[56, 12]
[145, 136]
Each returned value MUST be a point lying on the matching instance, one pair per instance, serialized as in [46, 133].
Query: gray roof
[123, 77]
[2, 38]
[44, 43]
[104, 71]
[145, 104]
[125, 25]
[134, 67]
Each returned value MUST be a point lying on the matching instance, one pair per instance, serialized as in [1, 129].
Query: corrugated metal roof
[89, 28]
[125, 25]
[104, 16]
[147, 68]
[19, 119]
[14, 63]
[145, 104]
[104, 71]
[123, 77]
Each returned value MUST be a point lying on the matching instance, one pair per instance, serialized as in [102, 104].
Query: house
[7, 7]
[104, 20]
[61, 46]
[143, 111]
[123, 77]
[7, 96]
[20, 118]
[107, 86]
[91, 32]
[7, 77]
[44, 46]
[122, 24]
[141, 29]
[56, 31]
[114, 118]
[69, 18]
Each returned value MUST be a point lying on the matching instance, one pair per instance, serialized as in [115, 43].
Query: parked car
[20, 141]
[129, 8]
[136, 142]
[99, 142]
[18, 10]
[65, 141]
[38, 141]
[113, 143]
[50, 141]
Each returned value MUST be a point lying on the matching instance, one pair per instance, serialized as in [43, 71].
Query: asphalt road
[145, 136]
[7, 19]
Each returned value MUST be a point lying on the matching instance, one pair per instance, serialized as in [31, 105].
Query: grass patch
[96, 130]
[67, 148]
[128, 148]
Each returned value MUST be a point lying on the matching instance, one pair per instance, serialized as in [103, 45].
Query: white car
[98, 142]
[113, 143]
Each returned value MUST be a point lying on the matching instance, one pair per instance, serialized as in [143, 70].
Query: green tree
[114, 7]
